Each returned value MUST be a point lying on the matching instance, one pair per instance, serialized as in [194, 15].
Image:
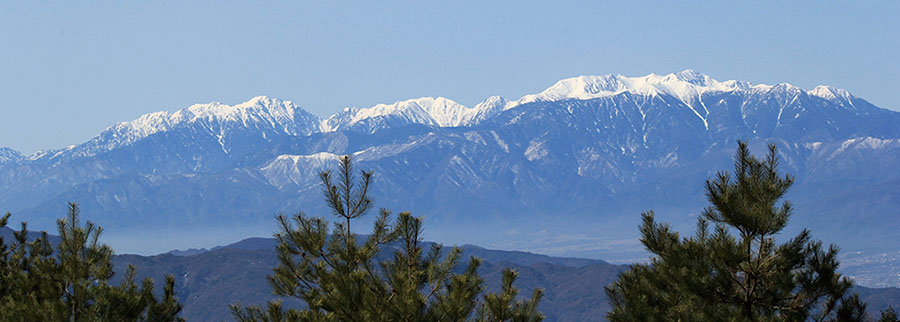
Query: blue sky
[68, 70]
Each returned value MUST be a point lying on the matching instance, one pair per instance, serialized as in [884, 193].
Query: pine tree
[343, 278]
[737, 271]
[889, 315]
[72, 282]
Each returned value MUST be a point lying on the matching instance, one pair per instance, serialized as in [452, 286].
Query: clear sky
[69, 69]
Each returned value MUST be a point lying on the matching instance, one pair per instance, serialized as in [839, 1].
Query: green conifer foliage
[503, 306]
[736, 271]
[72, 283]
[889, 315]
[385, 276]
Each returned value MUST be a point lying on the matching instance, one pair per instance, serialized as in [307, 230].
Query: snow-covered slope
[295, 169]
[432, 111]
[688, 86]
[8, 155]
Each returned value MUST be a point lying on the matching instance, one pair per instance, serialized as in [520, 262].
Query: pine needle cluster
[387, 275]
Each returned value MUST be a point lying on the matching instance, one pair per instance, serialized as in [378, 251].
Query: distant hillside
[8, 234]
[209, 281]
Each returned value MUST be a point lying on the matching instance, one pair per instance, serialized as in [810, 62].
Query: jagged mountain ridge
[269, 114]
[8, 155]
[565, 171]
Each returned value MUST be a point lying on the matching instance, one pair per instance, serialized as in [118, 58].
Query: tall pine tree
[342, 278]
[71, 283]
[736, 271]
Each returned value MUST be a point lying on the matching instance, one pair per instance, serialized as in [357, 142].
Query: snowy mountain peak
[261, 112]
[491, 103]
[444, 111]
[9, 155]
[434, 111]
[259, 106]
[830, 93]
[693, 77]
[685, 85]
[262, 100]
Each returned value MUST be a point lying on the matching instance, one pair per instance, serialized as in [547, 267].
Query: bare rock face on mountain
[566, 171]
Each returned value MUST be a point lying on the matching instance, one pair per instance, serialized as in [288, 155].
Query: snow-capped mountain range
[271, 115]
[582, 158]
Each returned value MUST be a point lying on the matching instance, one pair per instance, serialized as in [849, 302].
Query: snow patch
[812, 145]
[389, 150]
[875, 143]
[502, 144]
[536, 150]
[861, 143]
[473, 136]
[299, 170]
